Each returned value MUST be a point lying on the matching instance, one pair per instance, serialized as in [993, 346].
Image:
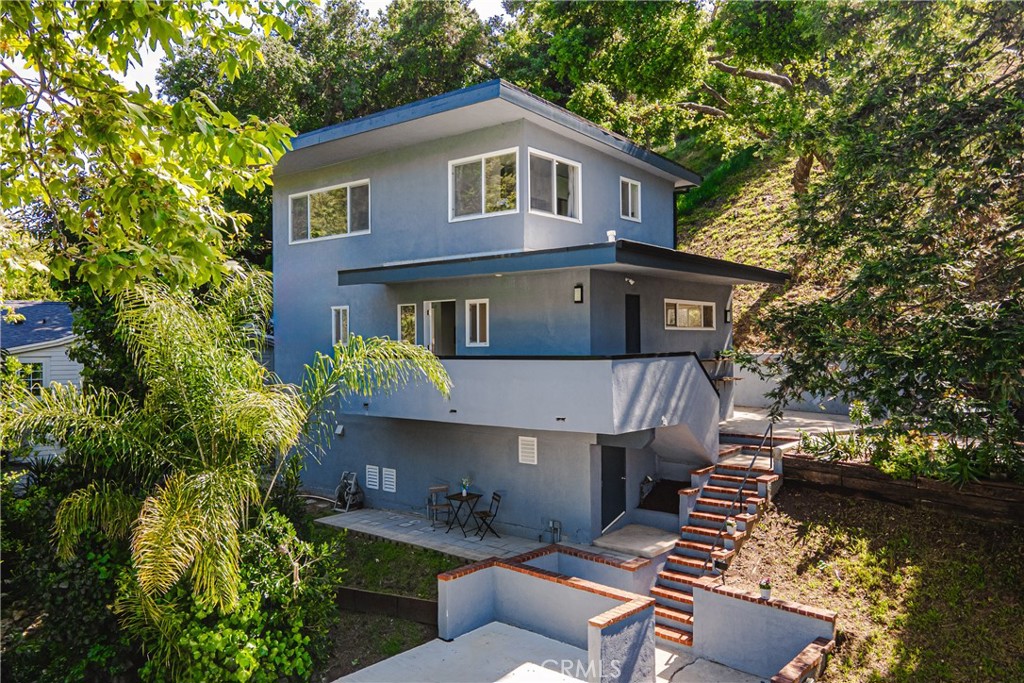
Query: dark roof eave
[625, 252]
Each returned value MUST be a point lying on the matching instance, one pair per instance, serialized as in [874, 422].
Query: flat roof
[479, 106]
[622, 255]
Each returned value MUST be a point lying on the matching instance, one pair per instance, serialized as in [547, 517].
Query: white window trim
[639, 203]
[354, 183]
[579, 186]
[452, 218]
[348, 323]
[714, 314]
[488, 322]
[415, 322]
[44, 366]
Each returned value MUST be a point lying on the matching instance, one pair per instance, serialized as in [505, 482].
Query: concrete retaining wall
[750, 390]
[758, 636]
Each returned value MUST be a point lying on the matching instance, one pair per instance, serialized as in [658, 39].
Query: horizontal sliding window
[484, 185]
[689, 315]
[333, 212]
[554, 186]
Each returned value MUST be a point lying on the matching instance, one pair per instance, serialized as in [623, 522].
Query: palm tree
[178, 473]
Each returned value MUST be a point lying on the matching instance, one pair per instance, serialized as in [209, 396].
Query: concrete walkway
[499, 652]
[406, 527]
[754, 421]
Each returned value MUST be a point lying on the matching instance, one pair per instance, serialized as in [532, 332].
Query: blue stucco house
[534, 252]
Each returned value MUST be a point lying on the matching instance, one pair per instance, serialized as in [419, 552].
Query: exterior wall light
[577, 294]
[728, 314]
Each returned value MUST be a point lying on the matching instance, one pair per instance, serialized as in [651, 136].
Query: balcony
[603, 395]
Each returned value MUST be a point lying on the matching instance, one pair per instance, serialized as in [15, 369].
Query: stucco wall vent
[528, 450]
[372, 477]
[390, 483]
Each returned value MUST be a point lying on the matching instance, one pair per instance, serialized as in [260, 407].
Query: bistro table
[462, 499]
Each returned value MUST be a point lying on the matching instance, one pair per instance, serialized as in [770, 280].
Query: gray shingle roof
[45, 321]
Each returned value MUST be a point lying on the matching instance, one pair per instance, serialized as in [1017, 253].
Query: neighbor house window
[689, 315]
[407, 323]
[554, 186]
[32, 375]
[333, 212]
[477, 322]
[483, 186]
[339, 325]
[629, 199]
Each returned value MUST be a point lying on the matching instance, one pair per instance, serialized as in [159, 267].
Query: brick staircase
[716, 498]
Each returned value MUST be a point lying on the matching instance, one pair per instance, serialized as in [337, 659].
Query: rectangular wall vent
[390, 482]
[528, 450]
[372, 477]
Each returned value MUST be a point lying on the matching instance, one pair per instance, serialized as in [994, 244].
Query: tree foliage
[924, 211]
[135, 183]
[177, 473]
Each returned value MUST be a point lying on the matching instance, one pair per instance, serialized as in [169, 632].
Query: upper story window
[689, 315]
[629, 199]
[478, 322]
[554, 186]
[339, 325]
[32, 376]
[407, 323]
[483, 185]
[332, 212]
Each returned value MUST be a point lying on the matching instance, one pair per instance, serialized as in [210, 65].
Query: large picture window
[478, 322]
[689, 315]
[332, 212]
[407, 323]
[554, 186]
[484, 185]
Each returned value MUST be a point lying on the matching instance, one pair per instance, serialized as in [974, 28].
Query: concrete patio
[499, 652]
[754, 421]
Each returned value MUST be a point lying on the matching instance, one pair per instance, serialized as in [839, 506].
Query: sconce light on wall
[728, 314]
[577, 294]
[630, 281]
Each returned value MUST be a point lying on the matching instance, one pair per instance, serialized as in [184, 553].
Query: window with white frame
[331, 212]
[478, 322]
[629, 199]
[407, 323]
[339, 325]
[483, 185]
[689, 315]
[32, 376]
[554, 186]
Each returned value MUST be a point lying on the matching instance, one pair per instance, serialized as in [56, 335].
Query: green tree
[134, 181]
[177, 473]
[924, 213]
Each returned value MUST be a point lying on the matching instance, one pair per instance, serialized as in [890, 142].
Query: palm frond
[99, 504]
[190, 525]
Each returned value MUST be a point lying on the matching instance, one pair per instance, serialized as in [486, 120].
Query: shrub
[279, 627]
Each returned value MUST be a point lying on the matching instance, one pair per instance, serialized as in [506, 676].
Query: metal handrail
[769, 434]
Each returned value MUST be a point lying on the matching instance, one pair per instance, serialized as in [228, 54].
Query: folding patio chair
[486, 517]
[438, 504]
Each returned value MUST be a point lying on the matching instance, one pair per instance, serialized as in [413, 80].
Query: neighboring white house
[41, 342]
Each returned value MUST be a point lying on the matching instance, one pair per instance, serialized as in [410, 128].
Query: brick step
[755, 471]
[674, 595]
[674, 635]
[688, 565]
[703, 534]
[726, 504]
[702, 550]
[726, 450]
[678, 620]
[676, 577]
[730, 481]
[729, 492]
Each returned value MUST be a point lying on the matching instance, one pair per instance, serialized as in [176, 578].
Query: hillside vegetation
[741, 213]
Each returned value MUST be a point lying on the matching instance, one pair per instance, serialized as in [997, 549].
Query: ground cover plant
[921, 596]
